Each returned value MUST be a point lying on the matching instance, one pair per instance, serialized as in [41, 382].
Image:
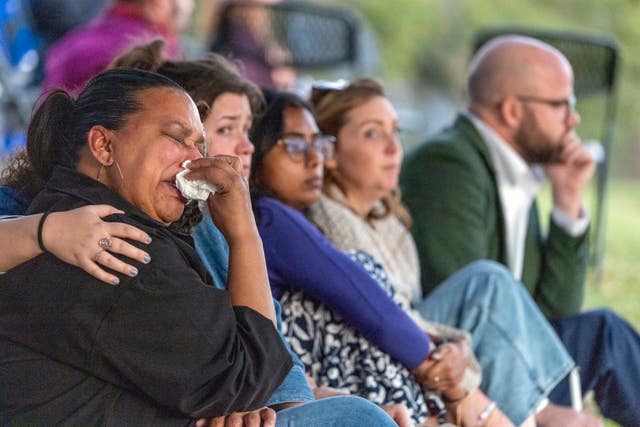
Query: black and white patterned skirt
[335, 355]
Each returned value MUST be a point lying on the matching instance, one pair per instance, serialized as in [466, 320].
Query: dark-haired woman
[164, 346]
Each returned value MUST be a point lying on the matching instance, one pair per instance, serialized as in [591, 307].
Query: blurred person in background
[243, 33]
[55, 18]
[87, 50]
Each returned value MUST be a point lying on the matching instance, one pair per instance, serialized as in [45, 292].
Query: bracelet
[487, 411]
[39, 234]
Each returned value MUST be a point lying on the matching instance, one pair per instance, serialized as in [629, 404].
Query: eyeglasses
[568, 103]
[299, 148]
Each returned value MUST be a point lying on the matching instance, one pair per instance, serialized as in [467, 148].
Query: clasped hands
[444, 368]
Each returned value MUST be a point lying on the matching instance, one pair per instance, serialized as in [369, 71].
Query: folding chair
[595, 62]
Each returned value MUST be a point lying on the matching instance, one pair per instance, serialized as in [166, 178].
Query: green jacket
[450, 189]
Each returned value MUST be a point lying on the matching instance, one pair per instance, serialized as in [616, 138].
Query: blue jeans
[341, 411]
[521, 357]
[607, 350]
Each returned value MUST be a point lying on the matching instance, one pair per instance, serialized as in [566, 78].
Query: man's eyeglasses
[568, 103]
[299, 148]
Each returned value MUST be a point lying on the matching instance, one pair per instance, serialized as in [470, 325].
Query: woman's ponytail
[47, 143]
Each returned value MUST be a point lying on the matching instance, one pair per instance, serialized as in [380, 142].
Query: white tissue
[193, 190]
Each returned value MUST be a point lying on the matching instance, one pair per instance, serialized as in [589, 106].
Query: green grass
[620, 287]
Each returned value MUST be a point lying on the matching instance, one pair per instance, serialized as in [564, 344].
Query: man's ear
[511, 112]
[100, 145]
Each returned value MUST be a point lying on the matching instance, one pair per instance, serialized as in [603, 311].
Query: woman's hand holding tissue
[230, 208]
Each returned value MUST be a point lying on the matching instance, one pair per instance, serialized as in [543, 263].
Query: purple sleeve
[300, 257]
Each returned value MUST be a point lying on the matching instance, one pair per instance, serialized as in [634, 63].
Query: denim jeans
[521, 357]
[341, 411]
[607, 350]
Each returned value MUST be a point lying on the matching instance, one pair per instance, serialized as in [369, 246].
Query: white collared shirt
[518, 186]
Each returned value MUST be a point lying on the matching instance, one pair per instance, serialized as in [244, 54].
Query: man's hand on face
[570, 174]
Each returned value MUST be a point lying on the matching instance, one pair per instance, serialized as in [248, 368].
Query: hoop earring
[119, 170]
[99, 172]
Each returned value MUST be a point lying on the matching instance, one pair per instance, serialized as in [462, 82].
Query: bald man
[472, 192]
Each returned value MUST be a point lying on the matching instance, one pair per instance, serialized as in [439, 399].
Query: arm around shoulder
[204, 357]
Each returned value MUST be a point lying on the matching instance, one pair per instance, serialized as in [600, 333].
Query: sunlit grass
[620, 287]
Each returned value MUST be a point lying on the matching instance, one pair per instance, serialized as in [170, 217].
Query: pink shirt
[86, 51]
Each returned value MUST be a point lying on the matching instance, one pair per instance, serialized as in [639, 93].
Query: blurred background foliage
[425, 46]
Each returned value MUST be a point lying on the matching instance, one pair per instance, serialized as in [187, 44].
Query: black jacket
[158, 349]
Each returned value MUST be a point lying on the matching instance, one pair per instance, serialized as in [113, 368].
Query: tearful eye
[176, 138]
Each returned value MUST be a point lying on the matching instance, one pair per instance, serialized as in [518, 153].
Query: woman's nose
[245, 146]
[393, 144]
[194, 153]
[314, 157]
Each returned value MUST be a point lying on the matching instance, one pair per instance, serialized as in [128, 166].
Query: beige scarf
[389, 242]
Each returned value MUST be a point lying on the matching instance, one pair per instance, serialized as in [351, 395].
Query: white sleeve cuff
[573, 227]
